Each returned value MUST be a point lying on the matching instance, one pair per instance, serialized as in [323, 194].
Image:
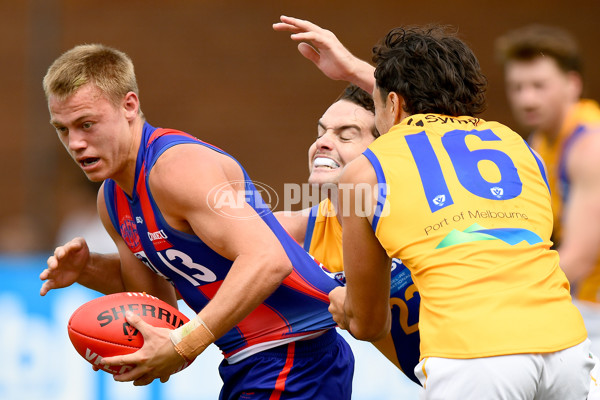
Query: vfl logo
[129, 232]
[129, 331]
[497, 191]
[340, 277]
[439, 200]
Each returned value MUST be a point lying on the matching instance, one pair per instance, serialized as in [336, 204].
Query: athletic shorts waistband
[305, 346]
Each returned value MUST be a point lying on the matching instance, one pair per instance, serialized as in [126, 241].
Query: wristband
[191, 339]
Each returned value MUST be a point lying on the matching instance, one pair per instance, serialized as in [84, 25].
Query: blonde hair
[109, 69]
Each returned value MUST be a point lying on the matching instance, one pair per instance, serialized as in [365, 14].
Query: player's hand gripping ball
[99, 329]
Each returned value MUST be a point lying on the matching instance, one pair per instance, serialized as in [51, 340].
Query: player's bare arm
[237, 233]
[234, 231]
[581, 217]
[325, 50]
[365, 312]
[72, 263]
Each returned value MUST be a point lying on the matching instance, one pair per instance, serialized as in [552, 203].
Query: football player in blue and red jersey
[188, 221]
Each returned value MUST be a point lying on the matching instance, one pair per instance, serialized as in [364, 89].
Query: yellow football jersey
[325, 238]
[464, 203]
[554, 153]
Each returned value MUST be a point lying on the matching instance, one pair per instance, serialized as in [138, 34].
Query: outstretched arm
[324, 49]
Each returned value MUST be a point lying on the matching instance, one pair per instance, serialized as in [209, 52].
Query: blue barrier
[39, 362]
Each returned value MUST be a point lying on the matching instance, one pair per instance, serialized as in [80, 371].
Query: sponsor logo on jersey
[159, 235]
[476, 232]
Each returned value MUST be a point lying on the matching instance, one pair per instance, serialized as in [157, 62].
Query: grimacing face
[540, 93]
[344, 132]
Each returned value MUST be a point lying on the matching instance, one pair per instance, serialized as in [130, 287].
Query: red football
[99, 329]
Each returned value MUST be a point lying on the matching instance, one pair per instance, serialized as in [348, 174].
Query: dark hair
[433, 71]
[357, 96]
[361, 98]
[532, 41]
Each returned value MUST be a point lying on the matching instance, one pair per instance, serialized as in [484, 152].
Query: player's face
[539, 93]
[344, 132]
[94, 132]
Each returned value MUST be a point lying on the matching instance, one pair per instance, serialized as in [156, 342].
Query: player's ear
[396, 104]
[131, 105]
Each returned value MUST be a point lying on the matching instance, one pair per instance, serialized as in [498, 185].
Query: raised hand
[325, 50]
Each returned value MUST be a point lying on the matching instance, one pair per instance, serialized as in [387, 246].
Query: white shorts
[563, 375]
[594, 393]
[591, 317]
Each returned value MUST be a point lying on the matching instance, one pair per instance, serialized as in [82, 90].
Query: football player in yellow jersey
[344, 131]
[543, 73]
[466, 205]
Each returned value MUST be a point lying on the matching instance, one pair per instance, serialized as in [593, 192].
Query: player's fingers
[312, 37]
[144, 380]
[46, 287]
[73, 245]
[300, 23]
[59, 253]
[164, 379]
[283, 27]
[133, 375]
[127, 359]
[309, 52]
[137, 322]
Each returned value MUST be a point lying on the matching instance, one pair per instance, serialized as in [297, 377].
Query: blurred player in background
[166, 202]
[344, 131]
[466, 206]
[544, 83]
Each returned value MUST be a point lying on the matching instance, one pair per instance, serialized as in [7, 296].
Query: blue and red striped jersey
[297, 309]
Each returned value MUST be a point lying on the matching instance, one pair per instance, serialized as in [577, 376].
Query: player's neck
[125, 177]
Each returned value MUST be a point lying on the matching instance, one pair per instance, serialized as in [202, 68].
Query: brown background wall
[216, 69]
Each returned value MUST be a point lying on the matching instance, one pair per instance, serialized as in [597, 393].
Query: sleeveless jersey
[323, 240]
[464, 203]
[296, 310]
[583, 119]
